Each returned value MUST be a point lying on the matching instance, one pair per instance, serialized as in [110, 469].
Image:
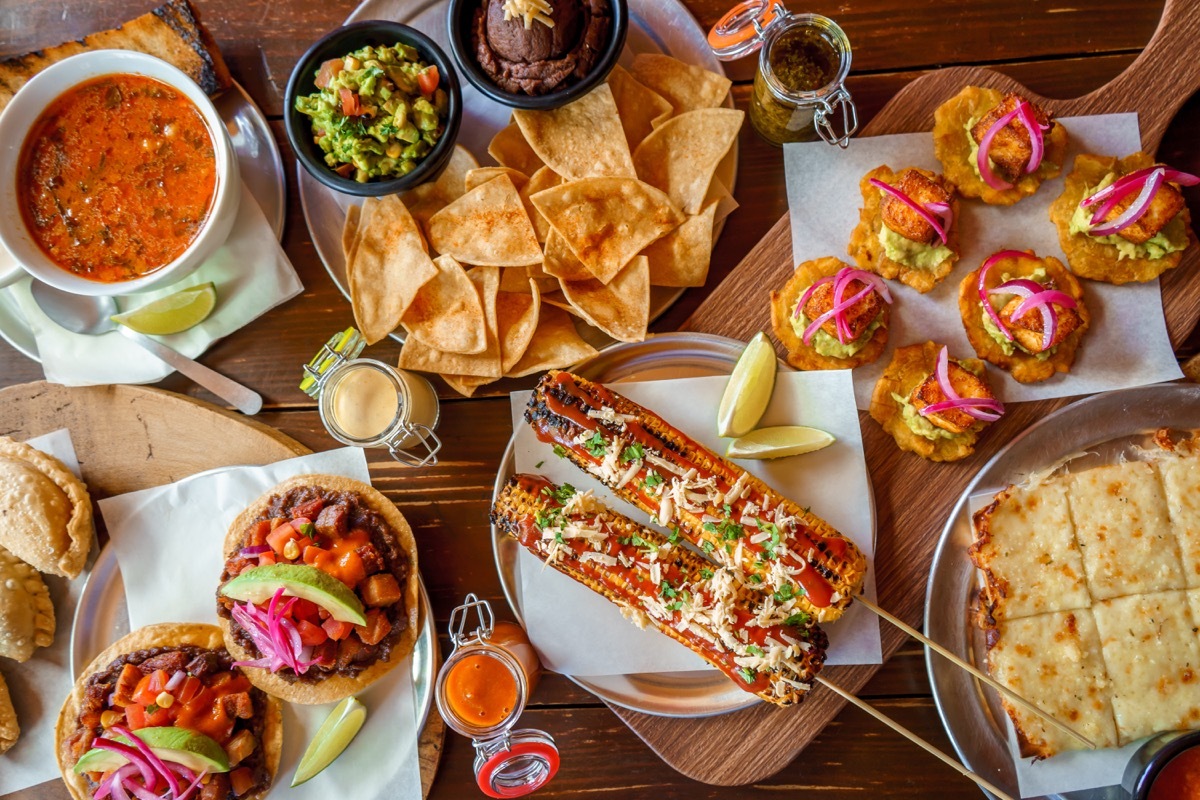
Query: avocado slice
[193, 750]
[258, 584]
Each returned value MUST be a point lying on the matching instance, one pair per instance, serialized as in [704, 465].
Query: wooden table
[1058, 51]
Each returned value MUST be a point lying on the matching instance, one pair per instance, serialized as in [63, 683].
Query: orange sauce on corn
[1180, 778]
[481, 691]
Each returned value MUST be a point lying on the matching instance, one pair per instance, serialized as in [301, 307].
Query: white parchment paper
[39, 685]
[169, 543]
[1127, 344]
[578, 632]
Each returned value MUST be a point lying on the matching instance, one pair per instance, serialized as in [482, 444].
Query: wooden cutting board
[134, 437]
[913, 497]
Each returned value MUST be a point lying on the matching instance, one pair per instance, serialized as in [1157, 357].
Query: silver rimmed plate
[262, 172]
[655, 26]
[700, 693]
[1103, 428]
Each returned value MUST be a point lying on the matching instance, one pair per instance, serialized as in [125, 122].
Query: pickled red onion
[939, 223]
[1028, 290]
[1037, 144]
[983, 292]
[980, 408]
[1045, 297]
[274, 634]
[1025, 112]
[1137, 208]
[1124, 186]
[1138, 177]
[840, 281]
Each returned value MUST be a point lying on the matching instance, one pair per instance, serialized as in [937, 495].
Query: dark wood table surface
[1056, 48]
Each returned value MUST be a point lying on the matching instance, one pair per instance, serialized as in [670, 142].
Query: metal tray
[262, 172]
[102, 617]
[1105, 427]
[701, 693]
[658, 26]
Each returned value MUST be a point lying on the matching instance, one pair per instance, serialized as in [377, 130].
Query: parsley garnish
[652, 479]
[756, 578]
[747, 674]
[665, 590]
[560, 451]
[306, 529]
[798, 620]
[151, 709]
[633, 453]
[706, 546]
[726, 529]
[785, 593]
[562, 494]
[706, 573]
[770, 545]
[596, 445]
[546, 519]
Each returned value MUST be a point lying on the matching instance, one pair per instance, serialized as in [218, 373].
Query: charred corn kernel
[291, 549]
[110, 718]
[164, 700]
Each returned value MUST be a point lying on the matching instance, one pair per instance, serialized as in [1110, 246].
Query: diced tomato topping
[240, 780]
[337, 630]
[279, 537]
[127, 685]
[345, 170]
[258, 534]
[329, 70]
[137, 717]
[310, 635]
[427, 80]
[351, 105]
[150, 686]
[305, 610]
[309, 509]
[376, 628]
[266, 559]
[188, 690]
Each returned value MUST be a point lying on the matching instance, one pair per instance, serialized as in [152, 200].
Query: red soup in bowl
[1180, 778]
[117, 177]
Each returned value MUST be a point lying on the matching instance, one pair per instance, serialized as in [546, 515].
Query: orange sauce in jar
[1179, 779]
[512, 637]
[481, 691]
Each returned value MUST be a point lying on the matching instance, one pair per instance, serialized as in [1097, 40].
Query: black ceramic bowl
[459, 25]
[337, 44]
[1152, 757]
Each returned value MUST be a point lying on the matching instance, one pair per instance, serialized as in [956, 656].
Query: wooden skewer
[980, 781]
[982, 676]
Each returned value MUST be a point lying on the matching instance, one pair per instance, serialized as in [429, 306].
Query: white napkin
[824, 199]
[169, 546]
[591, 637]
[39, 685]
[252, 275]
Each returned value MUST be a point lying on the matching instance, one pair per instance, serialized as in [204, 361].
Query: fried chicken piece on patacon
[1166, 204]
[1027, 329]
[965, 383]
[858, 317]
[902, 219]
[1011, 147]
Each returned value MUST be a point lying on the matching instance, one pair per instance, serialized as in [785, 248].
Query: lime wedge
[334, 735]
[749, 389]
[174, 313]
[786, 440]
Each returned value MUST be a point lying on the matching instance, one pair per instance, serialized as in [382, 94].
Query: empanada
[26, 611]
[46, 510]
[9, 729]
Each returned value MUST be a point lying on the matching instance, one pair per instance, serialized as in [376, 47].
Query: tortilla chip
[681, 156]
[555, 345]
[560, 261]
[952, 146]
[466, 385]
[447, 313]
[910, 366]
[726, 204]
[583, 139]
[1091, 258]
[607, 221]
[514, 280]
[622, 308]
[418, 356]
[682, 257]
[684, 86]
[638, 106]
[350, 230]
[516, 321]
[1024, 367]
[557, 299]
[510, 149]
[800, 355]
[429, 198]
[869, 252]
[545, 281]
[487, 226]
[389, 267]
[478, 177]
[544, 178]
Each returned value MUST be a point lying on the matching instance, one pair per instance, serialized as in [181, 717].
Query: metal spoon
[90, 316]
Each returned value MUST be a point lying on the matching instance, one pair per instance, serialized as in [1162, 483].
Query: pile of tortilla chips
[591, 205]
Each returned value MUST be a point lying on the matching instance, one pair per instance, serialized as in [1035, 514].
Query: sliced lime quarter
[333, 737]
[749, 389]
[174, 313]
[785, 440]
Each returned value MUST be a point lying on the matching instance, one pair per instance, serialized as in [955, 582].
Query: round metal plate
[657, 26]
[262, 172]
[702, 693]
[1105, 427]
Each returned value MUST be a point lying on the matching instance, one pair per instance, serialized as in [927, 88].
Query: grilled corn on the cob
[768, 541]
[764, 644]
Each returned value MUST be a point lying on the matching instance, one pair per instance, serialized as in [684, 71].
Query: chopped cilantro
[546, 519]
[770, 545]
[755, 578]
[665, 590]
[673, 536]
[596, 445]
[151, 709]
[676, 606]
[652, 479]
[706, 546]
[754, 650]
[747, 674]
[562, 494]
[560, 451]
[706, 573]
[633, 453]
[306, 529]
[785, 593]
[798, 620]
[538, 465]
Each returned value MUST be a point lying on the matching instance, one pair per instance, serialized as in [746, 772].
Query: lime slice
[786, 440]
[174, 313]
[749, 389]
[334, 735]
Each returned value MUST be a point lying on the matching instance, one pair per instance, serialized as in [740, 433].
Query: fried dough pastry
[10, 731]
[865, 247]
[26, 611]
[910, 373]
[802, 356]
[46, 510]
[1092, 258]
[953, 146]
[1023, 365]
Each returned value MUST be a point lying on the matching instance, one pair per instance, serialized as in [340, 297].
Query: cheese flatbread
[1181, 482]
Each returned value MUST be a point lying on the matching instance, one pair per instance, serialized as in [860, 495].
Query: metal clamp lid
[840, 99]
[740, 32]
[461, 616]
[340, 348]
[516, 764]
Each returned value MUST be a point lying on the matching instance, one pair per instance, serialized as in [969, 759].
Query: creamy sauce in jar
[365, 403]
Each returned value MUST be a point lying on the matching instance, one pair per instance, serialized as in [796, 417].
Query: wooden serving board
[913, 497]
[134, 437]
